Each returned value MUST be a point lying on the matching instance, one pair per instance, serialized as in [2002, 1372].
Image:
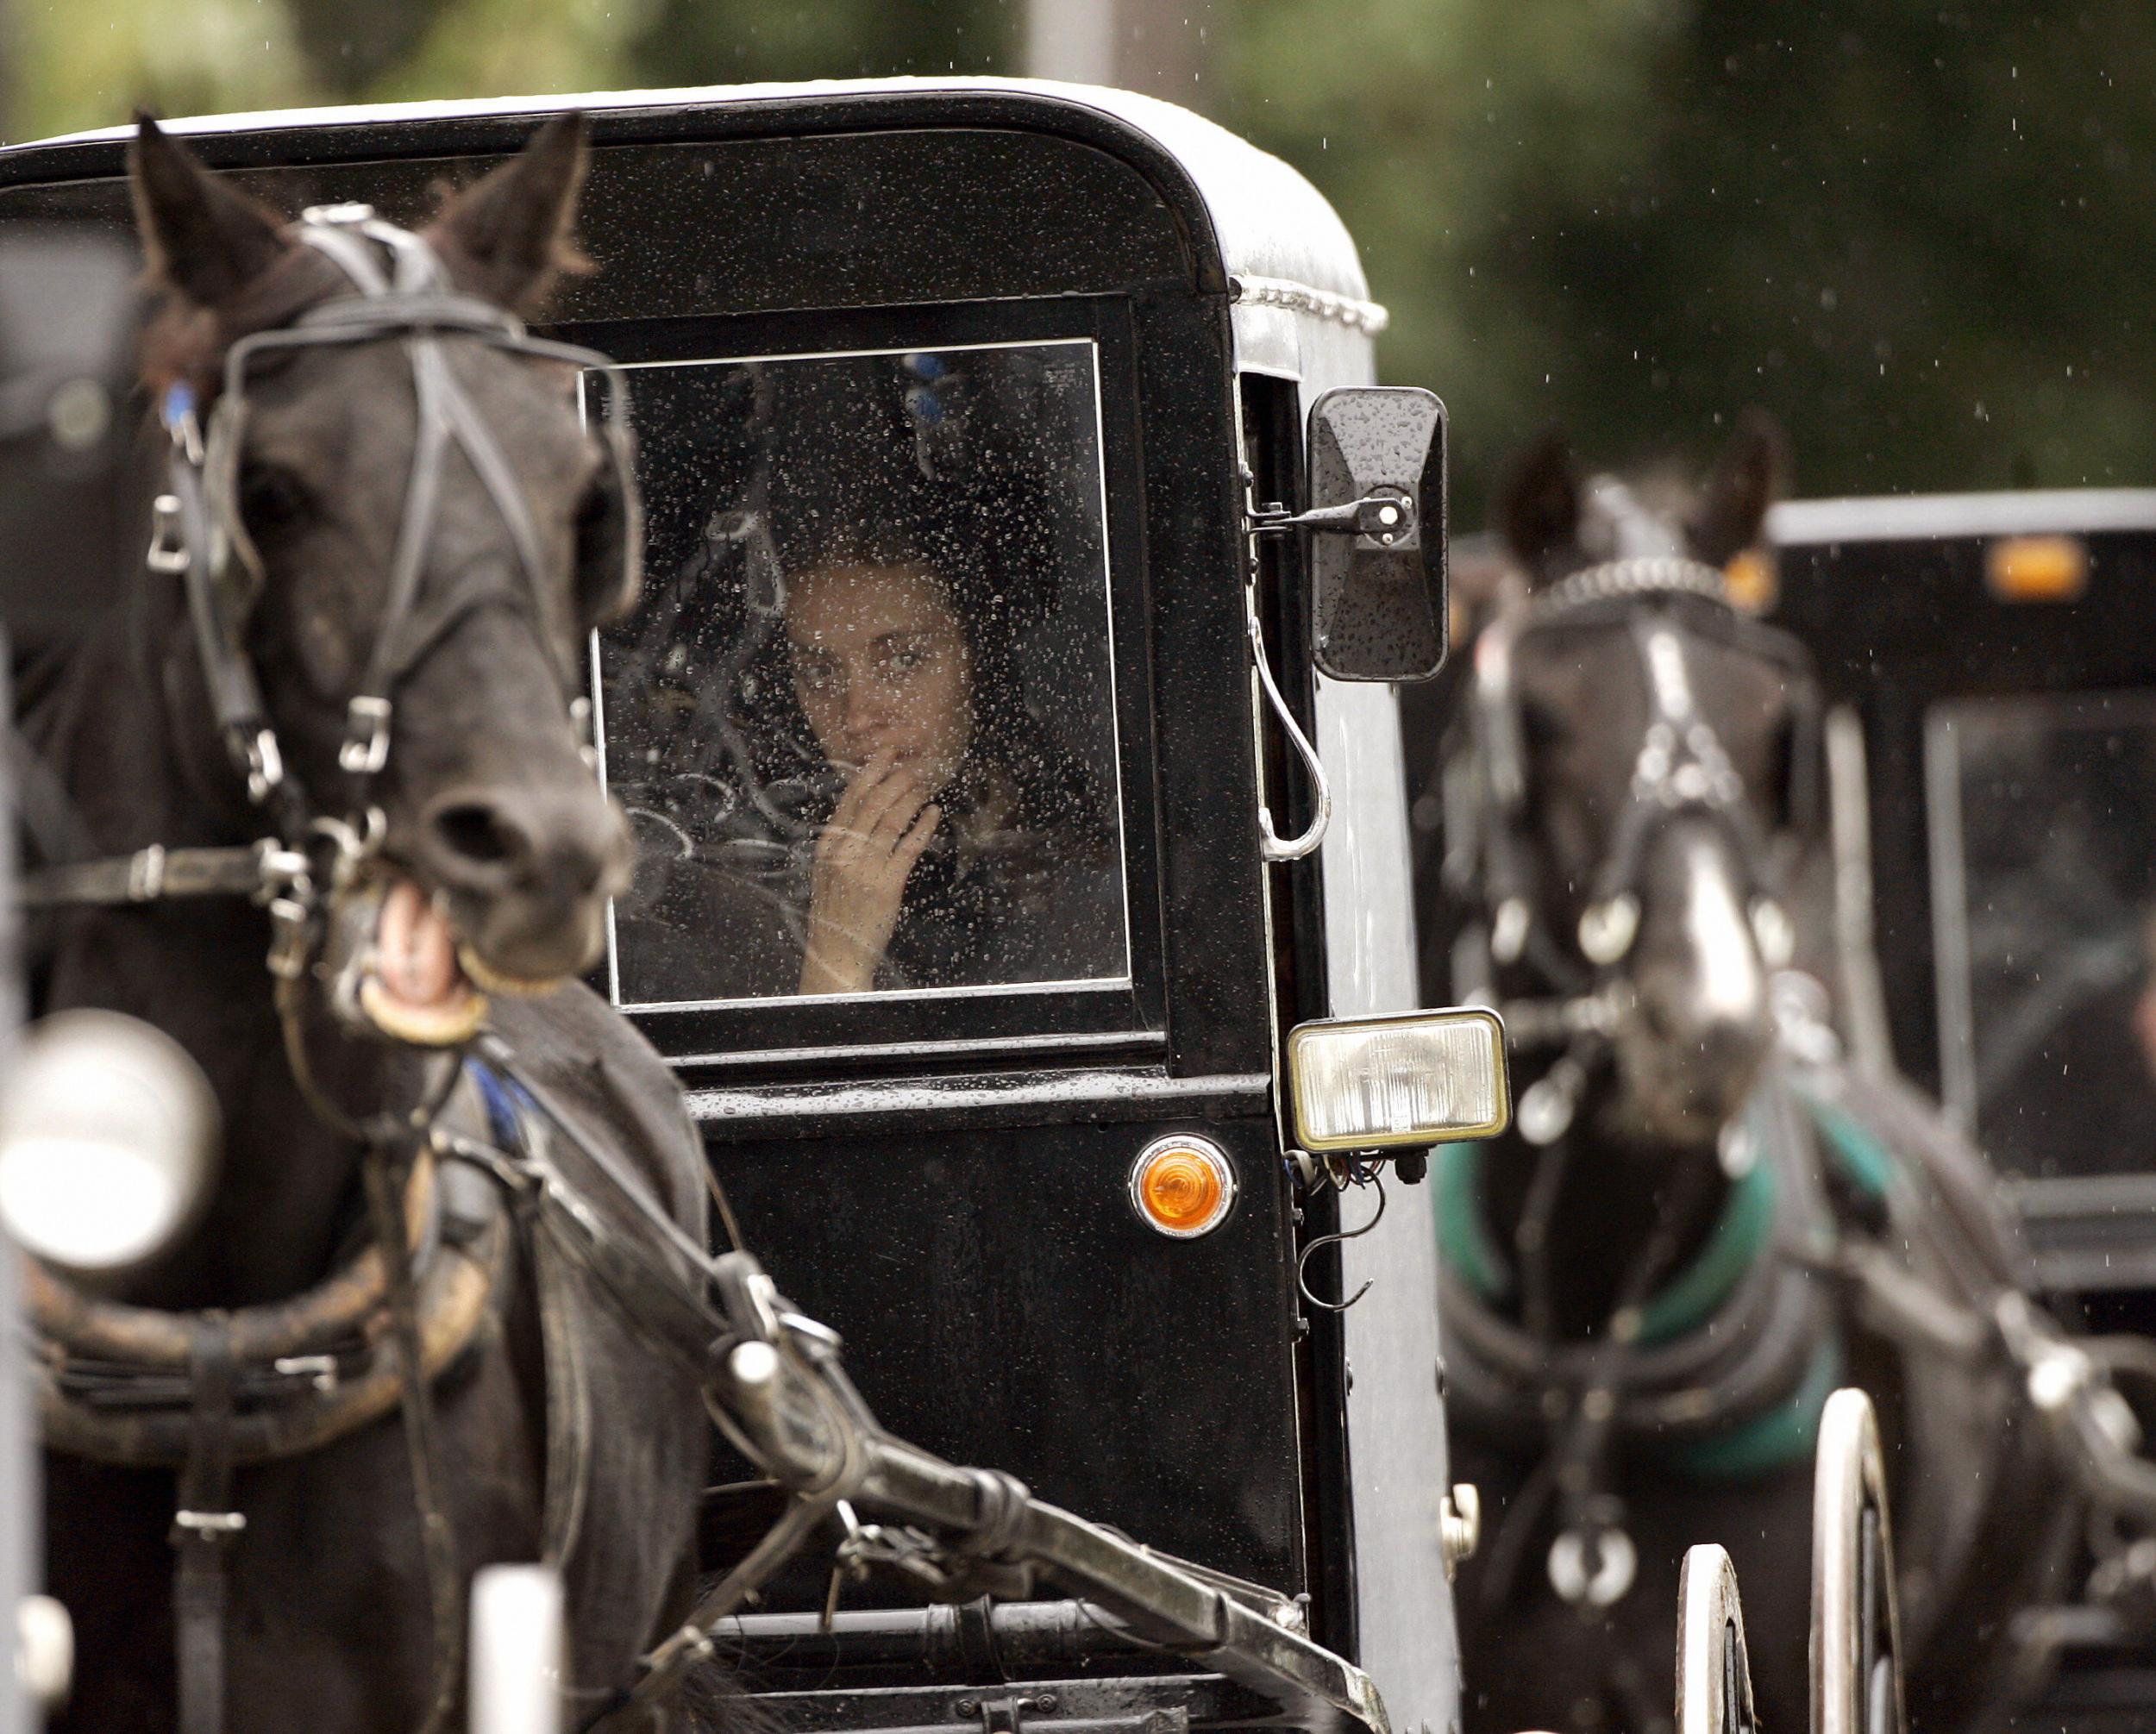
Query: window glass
[2045, 903]
[863, 724]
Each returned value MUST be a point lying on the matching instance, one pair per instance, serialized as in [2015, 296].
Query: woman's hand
[881, 823]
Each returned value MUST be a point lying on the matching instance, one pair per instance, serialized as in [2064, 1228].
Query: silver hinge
[1459, 1525]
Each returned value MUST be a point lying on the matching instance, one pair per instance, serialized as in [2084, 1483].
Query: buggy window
[2044, 898]
[863, 724]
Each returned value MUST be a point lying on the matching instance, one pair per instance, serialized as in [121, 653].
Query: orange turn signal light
[1183, 1186]
[1754, 584]
[2037, 568]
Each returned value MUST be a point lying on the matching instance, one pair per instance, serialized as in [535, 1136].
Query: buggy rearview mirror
[1377, 524]
[70, 465]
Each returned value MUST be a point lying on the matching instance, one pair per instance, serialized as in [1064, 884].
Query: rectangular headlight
[1378, 1083]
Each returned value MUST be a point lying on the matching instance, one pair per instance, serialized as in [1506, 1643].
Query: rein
[206, 1392]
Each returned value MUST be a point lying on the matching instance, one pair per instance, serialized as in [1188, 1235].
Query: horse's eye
[600, 528]
[270, 498]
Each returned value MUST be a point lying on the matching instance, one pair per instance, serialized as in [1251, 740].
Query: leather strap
[204, 1528]
[568, 1397]
[438, 1542]
[554, 1281]
[149, 875]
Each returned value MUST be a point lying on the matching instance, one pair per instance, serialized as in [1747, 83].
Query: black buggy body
[1993, 768]
[1092, 327]
[1990, 664]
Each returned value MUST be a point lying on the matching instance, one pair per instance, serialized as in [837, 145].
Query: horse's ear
[1539, 500]
[506, 237]
[203, 240]
[1748, 477]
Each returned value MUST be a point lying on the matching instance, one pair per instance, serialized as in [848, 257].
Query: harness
[1724, 1364]
[1858, 1197]
[400, 294]
[205, 1393]
[1719, 1367]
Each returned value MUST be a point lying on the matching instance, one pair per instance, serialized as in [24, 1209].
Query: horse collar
[1733, 1340]
[117, 1384]
[1742, 1235]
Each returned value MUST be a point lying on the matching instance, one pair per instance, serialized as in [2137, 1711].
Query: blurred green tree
[80, 65]
[351, 49]
[737, 41]
[1910, 232]
[1913, 232]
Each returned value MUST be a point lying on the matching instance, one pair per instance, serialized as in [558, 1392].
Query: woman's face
[882, 664]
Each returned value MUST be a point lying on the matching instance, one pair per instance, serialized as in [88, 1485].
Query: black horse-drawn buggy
[1013, 873]
[1987, 667]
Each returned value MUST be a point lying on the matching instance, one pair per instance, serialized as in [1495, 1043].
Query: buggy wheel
[1856, 1634]
[1714, 1671]
[516, 1650]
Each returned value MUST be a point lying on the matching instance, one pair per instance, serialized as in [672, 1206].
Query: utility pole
[10, 68]
[1162, 47]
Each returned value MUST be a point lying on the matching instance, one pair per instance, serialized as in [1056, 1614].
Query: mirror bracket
[1384, 517]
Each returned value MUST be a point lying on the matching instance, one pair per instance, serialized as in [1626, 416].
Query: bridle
[400, 294]
[1680, 768]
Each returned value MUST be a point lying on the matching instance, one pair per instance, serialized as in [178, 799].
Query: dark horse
[1651, 1283]
[479, 849]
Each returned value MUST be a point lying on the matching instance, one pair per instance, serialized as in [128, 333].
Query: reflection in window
[2045, 906]
[863, 723]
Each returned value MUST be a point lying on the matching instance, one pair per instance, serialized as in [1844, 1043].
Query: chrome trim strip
[1913, 517]
[957, 1047]
[1367, 316]
[1161, 1095]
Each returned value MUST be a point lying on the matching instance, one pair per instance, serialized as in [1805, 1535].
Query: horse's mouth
[492, 979]
[400, 967]
[402, 974]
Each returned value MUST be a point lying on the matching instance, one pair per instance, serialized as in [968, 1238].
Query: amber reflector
[1753, 583]
[2037, 568]
[1183, 1186]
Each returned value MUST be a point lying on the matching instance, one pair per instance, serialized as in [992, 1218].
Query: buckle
[145, 874]
[288, 938]
[263, 763]
[168, 551]
[210, 1527]
[319, 1370]
[366, 747]
[284, 870]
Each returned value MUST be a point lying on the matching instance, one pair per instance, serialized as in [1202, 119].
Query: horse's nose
[1731, 1048]
[562, 847]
